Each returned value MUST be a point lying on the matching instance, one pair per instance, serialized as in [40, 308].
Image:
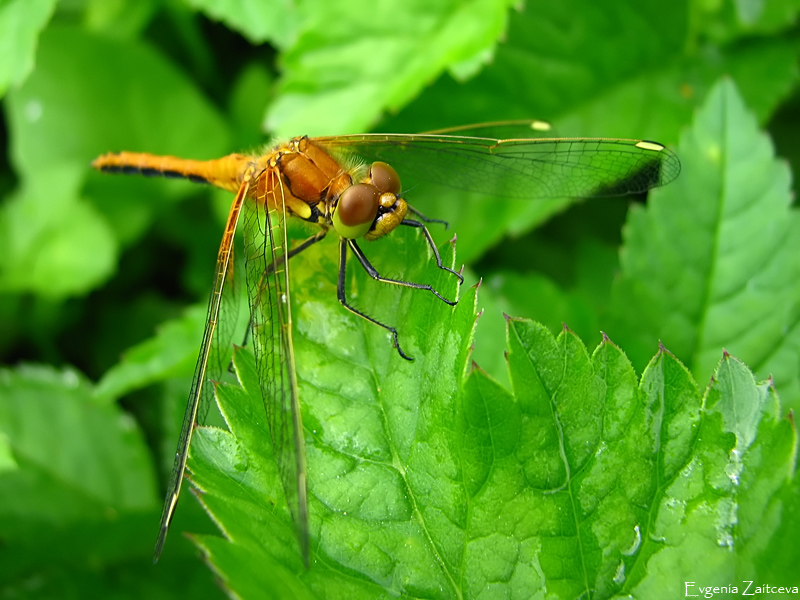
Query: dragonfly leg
[340, 292]
[271, 268]
[372, 272]
[412, 223]
[427, 219]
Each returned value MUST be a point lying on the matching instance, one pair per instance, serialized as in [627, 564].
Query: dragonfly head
[370, 209]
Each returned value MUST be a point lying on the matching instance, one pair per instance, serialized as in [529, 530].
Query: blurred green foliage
[103, 280]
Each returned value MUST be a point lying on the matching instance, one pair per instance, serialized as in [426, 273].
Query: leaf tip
[607, 340]
[662, 349]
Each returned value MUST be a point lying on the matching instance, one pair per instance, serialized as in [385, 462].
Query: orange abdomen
[226, 172]
[297, 174]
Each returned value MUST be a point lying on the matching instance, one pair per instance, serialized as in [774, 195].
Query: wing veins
[199, 392]
[268, 282]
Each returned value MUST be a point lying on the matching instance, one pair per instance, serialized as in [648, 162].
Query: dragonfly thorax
[317, 188]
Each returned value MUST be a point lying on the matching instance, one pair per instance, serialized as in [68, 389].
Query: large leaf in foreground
[427, 480]
[361, 407]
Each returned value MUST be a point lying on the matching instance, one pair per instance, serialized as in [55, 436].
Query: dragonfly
[350, 186]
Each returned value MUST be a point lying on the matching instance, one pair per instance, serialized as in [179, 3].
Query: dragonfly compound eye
[356, 210]
[384, 177]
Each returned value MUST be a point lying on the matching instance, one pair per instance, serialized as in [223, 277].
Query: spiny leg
[428, 219]
[372, 272]
[431, 243]
[340, 291]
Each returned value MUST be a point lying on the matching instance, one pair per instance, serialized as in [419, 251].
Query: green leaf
[119, 18]
[629, 69]
[58, 119]
[426, 479]
[172, 351]
[578, 305]
[275, 21]
[150, 75]
[254, 81]
[78, 498]
[351, 62]
[57, 242]
[381, 397]
[39, 252]
[21, 21]
[54, 473]
[724, 21]
[716, 518]
[714, 260]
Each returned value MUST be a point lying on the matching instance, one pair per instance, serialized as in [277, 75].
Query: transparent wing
[268, 290]
[517, 167]
[210, 362]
